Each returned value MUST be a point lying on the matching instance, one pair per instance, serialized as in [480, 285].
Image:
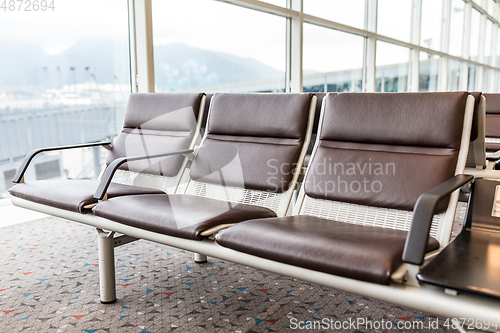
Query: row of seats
[378, 196]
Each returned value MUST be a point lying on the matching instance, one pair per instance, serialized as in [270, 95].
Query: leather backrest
[153, 124]
[492, 103]
[492, 115]
[253, 140]
[385, 149]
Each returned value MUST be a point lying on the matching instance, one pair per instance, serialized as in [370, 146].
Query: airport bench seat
[360, 252]
[244, 133]
[75, 195]
[153, 123]
[179, 215]
[367, 233]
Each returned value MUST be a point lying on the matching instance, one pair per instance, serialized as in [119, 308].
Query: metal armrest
[416, 241]
[493, 156]
[113, 166]
[29, 157]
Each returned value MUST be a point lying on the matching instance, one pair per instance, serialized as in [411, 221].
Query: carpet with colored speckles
[49, 283]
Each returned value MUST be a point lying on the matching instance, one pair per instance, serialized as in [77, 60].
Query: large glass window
[65, 79]
[392, 67]
[394, 18]
[428, 72]
[471, 83]
[497, 56]
[488, 38]
[212, 46]
[350, 12]
[454, 75]
[487, 81]
[432, 18]
[326, 68]
[491, 7]
[474, 35]
[496, 87]
[456, 27]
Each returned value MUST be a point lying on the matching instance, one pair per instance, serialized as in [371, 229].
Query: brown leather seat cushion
[354, 251]
[492, 147]
[71, 195]
[178, 215]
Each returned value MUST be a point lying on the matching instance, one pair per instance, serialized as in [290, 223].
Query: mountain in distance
[177, 66]
[29, 65]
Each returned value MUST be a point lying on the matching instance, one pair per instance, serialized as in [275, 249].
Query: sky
[70, 21]
[222, 27]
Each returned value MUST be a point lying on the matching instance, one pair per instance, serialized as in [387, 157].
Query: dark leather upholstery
[178, 215]
[71, 195]
[492, 103]
[492, 125]
[386, 149]
[492, 120]
[157, 123]
[354, 251]
[255, 139]
[406, 119]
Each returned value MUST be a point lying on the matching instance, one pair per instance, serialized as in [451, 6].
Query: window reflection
[350, 12]
[432, 17]
[211, 46]
[392, 67]
[471, 86]
[428, 72]
[454, 75]
[327, 69]
[488, 38]
[456, 27]
[394, 18]
[474, 35]
[65, 82]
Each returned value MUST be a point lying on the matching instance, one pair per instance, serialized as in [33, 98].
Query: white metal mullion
[413, 70]
[142, 53]
[264, 7]
[494, 43]
[132, 46]
[464, 68]
[288, 50]
[296, 34]
[482, 44]
[371, 47]
[445, 46]
[335, 25]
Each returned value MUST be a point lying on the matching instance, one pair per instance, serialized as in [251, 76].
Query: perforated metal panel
[166, 184]
[269, 200]
[364, 215]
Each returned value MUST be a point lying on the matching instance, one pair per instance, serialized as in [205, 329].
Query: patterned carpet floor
[49, 283]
